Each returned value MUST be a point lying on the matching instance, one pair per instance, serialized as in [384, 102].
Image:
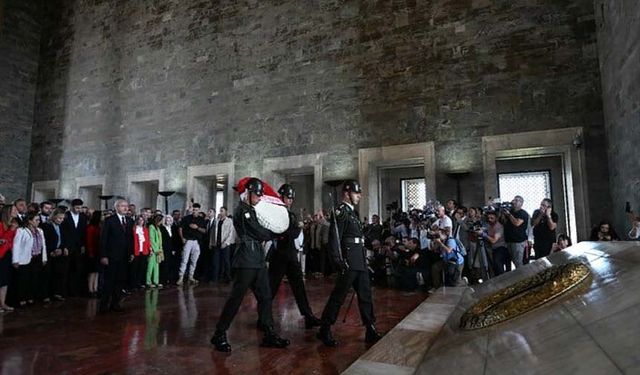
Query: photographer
[452, 261]
[475, 263]
[400, 225]
[407, 270]
[443, 222]
[494, 235]
[379, 261]
[374, 230]
[544, 222]
[515, 230]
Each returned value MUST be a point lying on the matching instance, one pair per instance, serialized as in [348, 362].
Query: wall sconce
[577, 141]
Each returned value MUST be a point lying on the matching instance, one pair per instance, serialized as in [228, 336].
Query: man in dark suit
[74, 229]
[116, 244]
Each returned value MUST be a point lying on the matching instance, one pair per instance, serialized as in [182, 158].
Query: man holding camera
[544, 222]
[452, 261]
[515, 230]
[407, 270]
[346, 245]
[493, 234]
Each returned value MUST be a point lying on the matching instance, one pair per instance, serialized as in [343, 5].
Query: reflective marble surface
[168, 331]
[591, 331]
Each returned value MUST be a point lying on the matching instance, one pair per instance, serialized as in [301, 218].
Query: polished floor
[168, 331]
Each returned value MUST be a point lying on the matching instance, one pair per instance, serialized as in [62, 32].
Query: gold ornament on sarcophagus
[525, 295]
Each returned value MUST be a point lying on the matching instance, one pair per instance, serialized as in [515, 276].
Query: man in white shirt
[444, 222]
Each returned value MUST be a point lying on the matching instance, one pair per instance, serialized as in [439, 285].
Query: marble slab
[401, 350]
[593, 330]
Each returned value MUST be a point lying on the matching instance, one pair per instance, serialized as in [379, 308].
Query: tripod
[485, 261]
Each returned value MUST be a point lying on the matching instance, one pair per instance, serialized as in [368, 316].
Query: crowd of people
[50, 252]
[451, 244]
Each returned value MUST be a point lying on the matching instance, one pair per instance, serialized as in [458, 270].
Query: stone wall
[130, 86]
[619, 51]
[19, 54]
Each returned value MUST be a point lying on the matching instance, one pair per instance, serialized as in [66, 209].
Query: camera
[497, 205]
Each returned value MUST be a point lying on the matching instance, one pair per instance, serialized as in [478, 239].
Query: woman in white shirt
[29, 258]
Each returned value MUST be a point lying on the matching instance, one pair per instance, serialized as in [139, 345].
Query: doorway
[401, 188]
[90, 195]
[144, 194]
[535, 179]
[211, 191]
[303, 184]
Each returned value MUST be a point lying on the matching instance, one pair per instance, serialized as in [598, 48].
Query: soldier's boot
[324, 335]
[272, 340]
[311, 321]
[372, 335]
[219, 340]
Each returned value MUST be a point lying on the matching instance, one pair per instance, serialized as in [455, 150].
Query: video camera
[497, 206]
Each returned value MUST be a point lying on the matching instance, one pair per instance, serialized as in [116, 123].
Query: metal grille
[414, 194]
[532, 186]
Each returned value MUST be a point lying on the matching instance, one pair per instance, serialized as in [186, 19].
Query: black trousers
[59, 275]
[257, 279]
[137, 271]
[293, 270]
[77, 280]
[31, 280]
[362, 285]
[114, 279]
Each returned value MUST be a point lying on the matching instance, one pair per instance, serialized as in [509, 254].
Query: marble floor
[168, 331]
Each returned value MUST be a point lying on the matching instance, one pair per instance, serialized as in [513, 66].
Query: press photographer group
[451, 244]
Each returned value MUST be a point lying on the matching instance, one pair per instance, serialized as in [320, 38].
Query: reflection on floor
[168, 331]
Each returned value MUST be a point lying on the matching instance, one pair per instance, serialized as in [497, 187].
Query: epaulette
[342, 209]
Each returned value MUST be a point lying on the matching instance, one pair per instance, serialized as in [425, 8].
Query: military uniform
[346, 245]
[284, 261]
[250, 268]
[250, 272]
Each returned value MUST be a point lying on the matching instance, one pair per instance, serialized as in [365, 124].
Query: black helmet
[254, 185]
[351, 186]
[287, 191]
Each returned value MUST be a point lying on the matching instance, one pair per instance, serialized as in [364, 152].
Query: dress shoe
[372, 335]
[219, 340]
[272, 340]
[311, 321]
[324, 335]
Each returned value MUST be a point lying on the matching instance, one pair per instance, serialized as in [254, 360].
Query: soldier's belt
[357, 240]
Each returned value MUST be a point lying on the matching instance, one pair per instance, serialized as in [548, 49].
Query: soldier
[284, 261]
[346, 244]
[250, 271]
